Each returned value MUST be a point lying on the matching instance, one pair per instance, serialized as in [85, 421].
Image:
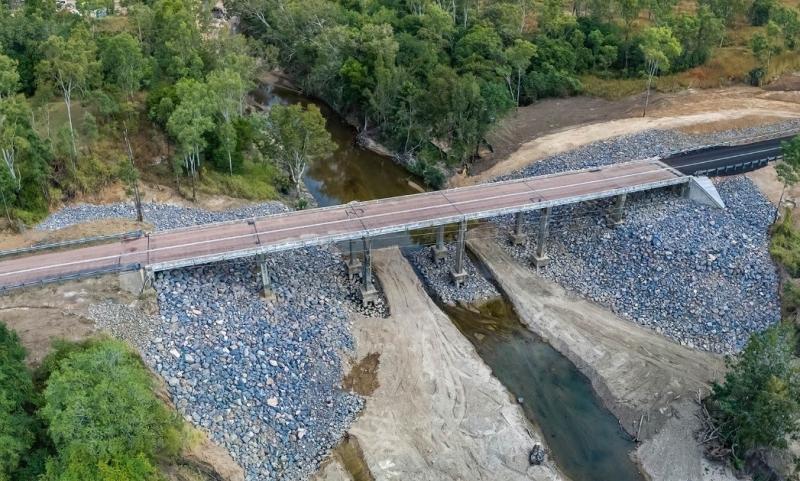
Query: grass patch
[612, 88]
[256, 181]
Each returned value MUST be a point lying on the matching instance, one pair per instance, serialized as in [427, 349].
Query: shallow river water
[582, 436]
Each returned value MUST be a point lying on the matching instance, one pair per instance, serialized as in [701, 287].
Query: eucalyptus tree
[295, 136]
[188, 124]
[9, 76]
[660, 48]
[68, 66]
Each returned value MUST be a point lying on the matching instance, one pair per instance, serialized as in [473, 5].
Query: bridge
[359, 221]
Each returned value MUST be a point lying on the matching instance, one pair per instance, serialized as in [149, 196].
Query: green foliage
[123, 63]
[16, 393]
[295, 136]
[758, 404]
[785, 245]
[788, 169]
[9, 77]
[103, 418]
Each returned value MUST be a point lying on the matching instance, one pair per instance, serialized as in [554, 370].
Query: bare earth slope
[635, 371]
[438, 414]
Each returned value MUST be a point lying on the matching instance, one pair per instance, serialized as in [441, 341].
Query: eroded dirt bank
[437, 414]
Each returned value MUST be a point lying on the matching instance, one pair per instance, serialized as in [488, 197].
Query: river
[584, 437]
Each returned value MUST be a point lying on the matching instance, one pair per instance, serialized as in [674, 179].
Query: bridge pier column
[518, 237]
[353, 263]
[368, 292]
[439, 250]
[266, 282]
[458, 273]
[616, 214]
[540, 257]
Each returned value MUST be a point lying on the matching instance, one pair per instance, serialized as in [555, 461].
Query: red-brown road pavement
[214, 242]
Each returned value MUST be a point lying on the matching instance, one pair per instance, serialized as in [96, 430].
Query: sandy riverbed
[639, 374]
[437, 414]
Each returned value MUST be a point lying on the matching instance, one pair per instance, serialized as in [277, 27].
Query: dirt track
[438, 414]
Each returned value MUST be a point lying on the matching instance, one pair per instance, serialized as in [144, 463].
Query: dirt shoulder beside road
[438, 414]
[634, 370]
[531, 134]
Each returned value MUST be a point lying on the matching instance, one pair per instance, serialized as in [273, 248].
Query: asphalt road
[732, 159]
[214, 242]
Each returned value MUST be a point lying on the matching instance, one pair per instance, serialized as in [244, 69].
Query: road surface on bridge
[215, 242]
[735, 158]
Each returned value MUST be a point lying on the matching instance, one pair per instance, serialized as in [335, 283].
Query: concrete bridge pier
[368, 292]
[518, 237]
[353, 263]
[266, 281]
[439, 250]
[616, 215]
[459, 274]
[540, 257]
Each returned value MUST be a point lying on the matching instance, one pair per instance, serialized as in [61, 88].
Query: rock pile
[262, 377]
[161, 216]
[699, 275]
[652, 143]
[437, 277]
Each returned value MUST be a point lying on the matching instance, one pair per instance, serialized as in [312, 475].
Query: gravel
[160, 216]
[437, 278]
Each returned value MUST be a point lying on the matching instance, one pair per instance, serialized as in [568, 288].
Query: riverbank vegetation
[430, 78]
[756, 408]
[162, 88]
[88, 412]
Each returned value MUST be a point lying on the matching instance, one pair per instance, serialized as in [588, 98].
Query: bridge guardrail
[69, 243]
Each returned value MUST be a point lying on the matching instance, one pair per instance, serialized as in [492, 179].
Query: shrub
[103, 418]
[785, 246]
[758, 404]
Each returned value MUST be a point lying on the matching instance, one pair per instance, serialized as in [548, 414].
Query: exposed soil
[363, 376]
[438, 414]
[533, 134]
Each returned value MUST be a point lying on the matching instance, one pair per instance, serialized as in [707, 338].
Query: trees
[188, 124]
[660, 48]
[519, 57]
[788, 169]
[764, 45]
[69, 65]
[228, 90]
[9, 77]
[122, 62]
[295, 136]
[16, 392]
[758, 404]
[103, 418]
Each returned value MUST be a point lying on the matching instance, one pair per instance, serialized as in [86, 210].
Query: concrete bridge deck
[216, 242]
